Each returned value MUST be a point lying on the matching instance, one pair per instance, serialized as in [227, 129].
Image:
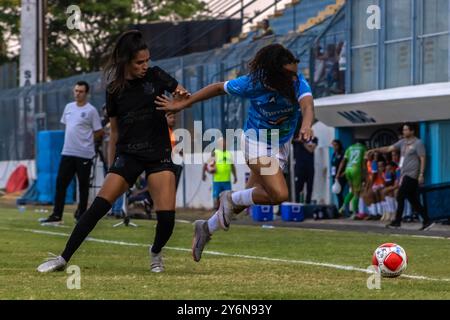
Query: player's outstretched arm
[381, 150]
[307, 107]
[180, 93]
[208, 92]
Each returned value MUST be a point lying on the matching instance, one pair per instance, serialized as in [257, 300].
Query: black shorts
[130, 168]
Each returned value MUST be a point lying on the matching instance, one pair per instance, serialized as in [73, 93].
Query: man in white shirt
[83, 126]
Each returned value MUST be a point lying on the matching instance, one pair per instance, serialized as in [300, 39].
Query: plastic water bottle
[21, 208]
[267, 226]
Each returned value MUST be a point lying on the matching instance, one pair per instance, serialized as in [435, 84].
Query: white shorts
[255, 149]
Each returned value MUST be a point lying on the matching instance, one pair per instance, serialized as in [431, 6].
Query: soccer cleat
[156, 264]
[226, 209]
[51, 220]
[427, 226]
[352, 216]
[77, 215]
[201, 238]
[53, 263]
[393, 225]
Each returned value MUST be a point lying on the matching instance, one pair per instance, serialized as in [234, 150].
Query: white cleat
[156, 264]
[53, 263]
[226, 210]
[201, 238]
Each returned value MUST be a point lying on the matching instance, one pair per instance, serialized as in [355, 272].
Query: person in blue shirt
[280, 97]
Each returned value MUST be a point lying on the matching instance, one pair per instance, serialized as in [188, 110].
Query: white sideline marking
[310, 263]
[182, 221]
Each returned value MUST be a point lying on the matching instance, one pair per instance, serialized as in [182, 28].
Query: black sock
[164, 228]
[87, 222]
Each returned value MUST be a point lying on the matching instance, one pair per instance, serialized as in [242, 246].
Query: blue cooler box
[292, 211]
[262, 213]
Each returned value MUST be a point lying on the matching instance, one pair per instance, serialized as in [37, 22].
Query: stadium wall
[7, 167]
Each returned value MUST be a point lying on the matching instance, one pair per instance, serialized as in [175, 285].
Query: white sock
[385, 206]
[394, 204]
[361, 205]
[407, 211]
[391, 205]
[243, 197]
[379, 208]
[213, 223]
[372, 209]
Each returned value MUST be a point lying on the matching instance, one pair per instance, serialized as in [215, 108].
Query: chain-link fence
[27, 110]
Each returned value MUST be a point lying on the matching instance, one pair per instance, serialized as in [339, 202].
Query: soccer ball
[390, 260]
[211, 166]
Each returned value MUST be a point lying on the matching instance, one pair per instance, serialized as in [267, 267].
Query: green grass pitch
[247, 262]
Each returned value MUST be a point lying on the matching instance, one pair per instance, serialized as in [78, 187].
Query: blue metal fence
[27, 110]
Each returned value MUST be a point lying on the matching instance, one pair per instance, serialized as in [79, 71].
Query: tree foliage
[9, 28]
[85, 50]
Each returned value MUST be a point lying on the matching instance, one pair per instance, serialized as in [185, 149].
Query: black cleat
[51, 220]
[426, 226]
[393, 225]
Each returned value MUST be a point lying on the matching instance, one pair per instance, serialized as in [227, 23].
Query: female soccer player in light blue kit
[275, 89]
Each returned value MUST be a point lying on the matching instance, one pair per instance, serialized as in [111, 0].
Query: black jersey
[142, 130]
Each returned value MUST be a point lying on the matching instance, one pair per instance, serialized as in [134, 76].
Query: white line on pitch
[311, 263]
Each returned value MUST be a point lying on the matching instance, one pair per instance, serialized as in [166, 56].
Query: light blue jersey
[269, 109]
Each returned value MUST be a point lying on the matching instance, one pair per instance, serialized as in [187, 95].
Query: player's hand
[235, 180]
[204, 177]
[305, 134]
[421, 179]
[180, 95]
[169, 105]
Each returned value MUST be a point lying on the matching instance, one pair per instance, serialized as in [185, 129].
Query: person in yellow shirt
[221, 166]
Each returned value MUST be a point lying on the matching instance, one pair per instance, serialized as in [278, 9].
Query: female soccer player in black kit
[139, 142]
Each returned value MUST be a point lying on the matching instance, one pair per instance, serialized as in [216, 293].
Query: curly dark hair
[267, 68]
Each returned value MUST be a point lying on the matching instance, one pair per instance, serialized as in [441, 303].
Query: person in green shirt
[353, 163]
[221, 166]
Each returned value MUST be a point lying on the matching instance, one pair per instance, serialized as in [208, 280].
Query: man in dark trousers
[304, 167]
[83, 126]
[412, 172]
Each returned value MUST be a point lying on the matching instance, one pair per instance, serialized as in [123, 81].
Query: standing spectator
[331, 66]
[391, 185]
[376, 211]
[267, 30]
[222, 161]
[354, 168]
[319, 63]
[412, 171]
[338, 156]
[304, 167]
[319, 70]
[342, 66]
[83, 126]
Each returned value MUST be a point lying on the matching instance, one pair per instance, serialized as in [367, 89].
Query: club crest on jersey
[83, 114]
